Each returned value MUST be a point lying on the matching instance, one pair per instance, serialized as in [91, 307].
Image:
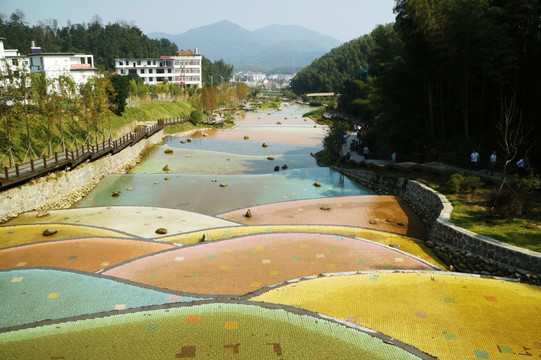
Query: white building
[11, 58]
[184, 68]
[79, 66]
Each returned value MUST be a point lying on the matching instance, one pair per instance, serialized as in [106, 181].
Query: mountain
[274, 46]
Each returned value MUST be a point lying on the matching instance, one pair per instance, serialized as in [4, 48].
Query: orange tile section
[88, 254]
[379, 212]
[242, 265]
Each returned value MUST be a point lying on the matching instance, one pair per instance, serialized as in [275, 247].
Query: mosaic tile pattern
[34, 295]
[214, 331]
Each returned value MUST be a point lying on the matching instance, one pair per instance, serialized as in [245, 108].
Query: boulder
[116, 193]
[246, 137]
[270, 158]
[183, 141]
[276, 168]
[284, 166]
[161, 231]
[166, 178]
[223, 185]
[248, 213]
[168, 151]
[265, 145]
[42, 213]
[166, 168]
[325, 208]
[205, 237]
[49, 232]
[189, 140]
[317, 184]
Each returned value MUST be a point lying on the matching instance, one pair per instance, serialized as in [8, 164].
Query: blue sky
[341, 19]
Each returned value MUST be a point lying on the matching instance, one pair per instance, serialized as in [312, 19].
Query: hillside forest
[105, 42]
[451, 75]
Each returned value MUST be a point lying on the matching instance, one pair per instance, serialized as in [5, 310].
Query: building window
[150, 71]
[159, 78]
[132, 71]
[160, 71]
[138, 62]
[151, 79]
[169, 71]
[142, 71]
[120, 63]
[15, 62]
[148, 62]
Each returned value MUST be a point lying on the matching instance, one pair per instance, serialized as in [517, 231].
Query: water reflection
[200, 193]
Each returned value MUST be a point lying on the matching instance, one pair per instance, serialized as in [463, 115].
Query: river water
[230, 169]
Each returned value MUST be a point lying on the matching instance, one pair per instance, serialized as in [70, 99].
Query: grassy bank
[473, 210]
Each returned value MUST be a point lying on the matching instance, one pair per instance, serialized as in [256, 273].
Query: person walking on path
[492, 163]
[474, 160]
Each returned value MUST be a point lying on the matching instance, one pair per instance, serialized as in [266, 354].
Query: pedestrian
[366, 151]
[393, 157]
[348, 157]
[492, 163]
[474, 160]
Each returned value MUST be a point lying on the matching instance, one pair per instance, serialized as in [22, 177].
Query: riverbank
[63, 189]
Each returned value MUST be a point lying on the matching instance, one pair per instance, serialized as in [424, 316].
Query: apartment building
[79, 66]
[183, 68]
[12, 58]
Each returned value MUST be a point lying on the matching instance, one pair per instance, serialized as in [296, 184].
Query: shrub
[505, 203]
[530, 183]
[196, 117]
[454, 184]
[471, 183]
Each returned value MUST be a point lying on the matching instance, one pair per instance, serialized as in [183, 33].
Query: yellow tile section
[443, 314]
[27, 234]
[407, 244]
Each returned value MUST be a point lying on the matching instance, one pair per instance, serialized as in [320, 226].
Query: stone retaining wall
[62, 189]
[459, 248]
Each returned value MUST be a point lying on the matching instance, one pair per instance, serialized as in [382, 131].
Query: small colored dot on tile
[144, 247]
[491, 298]
[179, 258]
[73, 257]
[255, 284]
[449, 300]
[10, 232]
[120, 306]
[481, 354]
[338, 238]
[334, 249]
[265, 261]
[196, 274]
[192, 319]
[53, 296]
[224, 267]
[186, 352]
[231, 325]
[352, 319]
[450, 336]
[211, 256]
[331, 266]
[273, 272]
[360, 262]
[504, 349]
[259, 248]
[174, 298]
[398, 259]
[17, 279]
[251, 254]
[227, 232]
[153, 276]
[228, 251]
[303, 246]
[83, 245]
[105, 263]
[373, 278]
[320, 256]
[153, 327]
[21, 264]
[297, 258]
[387, 267]
[420, 314]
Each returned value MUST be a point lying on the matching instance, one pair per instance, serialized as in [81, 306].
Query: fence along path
[20, 173]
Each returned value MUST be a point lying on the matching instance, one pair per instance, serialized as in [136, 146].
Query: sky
[342, 19]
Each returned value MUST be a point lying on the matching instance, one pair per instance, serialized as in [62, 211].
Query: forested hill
[105, 42]
[329, 72]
